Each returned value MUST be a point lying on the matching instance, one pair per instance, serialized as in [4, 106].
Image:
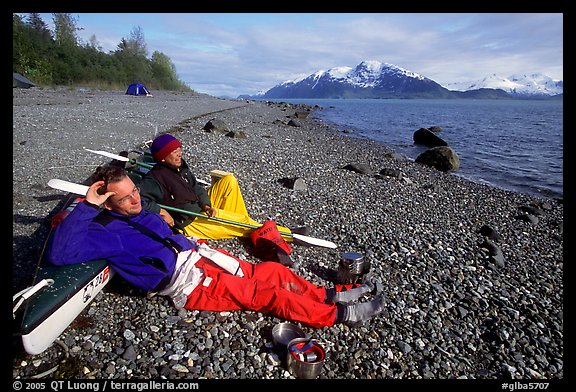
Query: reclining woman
[140, 246]
[172, 183]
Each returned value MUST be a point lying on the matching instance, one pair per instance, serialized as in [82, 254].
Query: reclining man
[140, 246]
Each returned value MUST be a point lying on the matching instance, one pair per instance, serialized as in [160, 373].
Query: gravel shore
[460, 305]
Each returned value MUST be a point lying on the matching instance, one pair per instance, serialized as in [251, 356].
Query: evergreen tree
[65, 30]
[164, 72]
[132, 53]
[41, 28]
[31, 49]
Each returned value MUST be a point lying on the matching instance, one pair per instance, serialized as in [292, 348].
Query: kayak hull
[55, 307]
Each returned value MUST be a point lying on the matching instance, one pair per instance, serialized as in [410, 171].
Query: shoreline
[452, 312]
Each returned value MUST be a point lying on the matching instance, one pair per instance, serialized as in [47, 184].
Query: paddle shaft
[303, 238]
[168, 208]
[146, 165]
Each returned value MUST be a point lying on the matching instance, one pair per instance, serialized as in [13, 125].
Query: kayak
[60, 293]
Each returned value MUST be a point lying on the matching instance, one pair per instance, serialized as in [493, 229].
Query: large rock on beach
[428, 138]
[216, 126]
[441, 158]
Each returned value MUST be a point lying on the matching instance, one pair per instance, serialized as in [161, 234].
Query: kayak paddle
[83, 189]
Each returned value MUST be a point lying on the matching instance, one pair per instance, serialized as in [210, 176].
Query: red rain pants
[266, 287]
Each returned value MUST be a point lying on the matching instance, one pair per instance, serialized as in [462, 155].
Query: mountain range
[520, 85]
[373, 79]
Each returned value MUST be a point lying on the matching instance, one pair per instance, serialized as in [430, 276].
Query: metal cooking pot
[283, 333]
[305, 358]
[354, 261]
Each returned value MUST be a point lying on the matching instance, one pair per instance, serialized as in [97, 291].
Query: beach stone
[237, 134]
[533, 219]
[216, 126]
[296, 183]
[489, 232]
[428, 138]
[441, 158]
[294, 123]
[361, 168]
[390, 172]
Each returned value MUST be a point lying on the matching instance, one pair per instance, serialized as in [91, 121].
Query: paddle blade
[68, 186]
[315, 241]
[109, 155]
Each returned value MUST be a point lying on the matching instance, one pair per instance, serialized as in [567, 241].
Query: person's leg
[225, 194]
[350, 314]
[256, 292]
[213, 230]
[226, 197]
[351, 293]
[281, 276]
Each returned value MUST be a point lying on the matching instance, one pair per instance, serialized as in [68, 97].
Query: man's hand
[209, 210]
[167, 217]
[95, 197]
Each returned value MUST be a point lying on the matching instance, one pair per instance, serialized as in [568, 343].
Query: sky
[229, 54]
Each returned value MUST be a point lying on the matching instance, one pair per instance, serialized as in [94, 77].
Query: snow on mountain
[520, 84]
[366, 74]
[337, 72]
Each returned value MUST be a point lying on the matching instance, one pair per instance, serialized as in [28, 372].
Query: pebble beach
[460, 303]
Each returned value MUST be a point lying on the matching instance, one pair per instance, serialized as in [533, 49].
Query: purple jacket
[138, 258]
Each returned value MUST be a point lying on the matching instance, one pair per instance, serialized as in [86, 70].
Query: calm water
[514, 144]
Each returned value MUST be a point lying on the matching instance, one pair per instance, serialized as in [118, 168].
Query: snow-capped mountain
[535, 84]
[373, 79]
[366, 74]
[369, 79]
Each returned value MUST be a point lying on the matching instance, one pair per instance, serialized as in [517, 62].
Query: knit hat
[163, 145]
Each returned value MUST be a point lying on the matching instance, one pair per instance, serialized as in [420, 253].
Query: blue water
[515, 145]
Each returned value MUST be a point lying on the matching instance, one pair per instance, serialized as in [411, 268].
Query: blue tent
[137, 89]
